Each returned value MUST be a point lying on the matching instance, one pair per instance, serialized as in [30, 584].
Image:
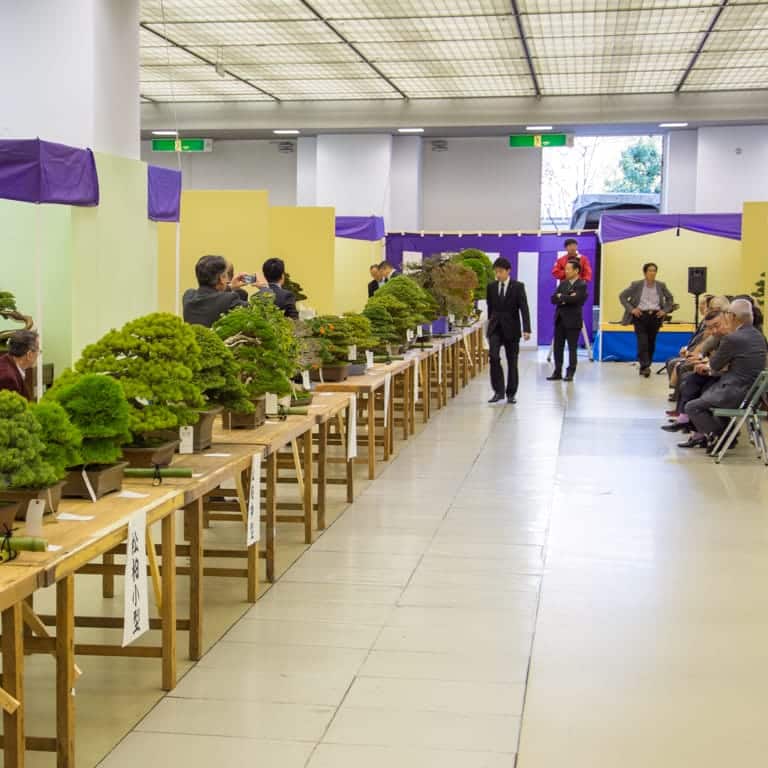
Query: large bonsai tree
[450, 283]
[361, 333]
[62, 441]
[155, 359]
[219, 375]
[335, 337]
[21, 447]
[262, 340]
[403, 318]
[382, 323]
[410, 293]
[481, 265]
[97, 407]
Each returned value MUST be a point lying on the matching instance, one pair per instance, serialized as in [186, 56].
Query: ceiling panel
[248, 33]
[364, 9]
[752, 39]
[270, 54]
[466, 87]
[736, 17]
[203, 91]
[192, 73]
[592, 6]
[303, 71]
[727, 79]
[441, 51]
[415, 29]
[222, 10]
[165, 54]
[460, 68]
[355, 88]
[614, 63]
[727, 59]
[606, 46]
[634, 82]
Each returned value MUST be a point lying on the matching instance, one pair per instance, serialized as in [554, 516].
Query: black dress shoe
[694, 442]
[511, 399]
[496, 398]
[555, 377]
[677, 426]
[711, 448]
[645, 372]
[568, 377]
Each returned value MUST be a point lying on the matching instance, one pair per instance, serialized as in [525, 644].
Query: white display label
[271, 403]
[187, 437]
[451, 318]
[419, 332]
[368, 359]
[387, 383]
[88, 486]
[35, 512]
[409, 335]
[352, 429]
[136, 602]
[416, 369]
[253, 534]
[352, 353]
[305, 380]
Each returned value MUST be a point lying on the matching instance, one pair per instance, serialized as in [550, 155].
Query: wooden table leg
[168, 613]
[65, 672]
[388, 418]
[322, 466]
[108, 578]
[409, 381]
[271, 513]
[351, 414]
[372, 435]
[13, 684]
[193, 533]
[308, 501]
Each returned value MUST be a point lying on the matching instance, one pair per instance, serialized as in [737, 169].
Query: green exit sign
[540, 140]
[182, 145]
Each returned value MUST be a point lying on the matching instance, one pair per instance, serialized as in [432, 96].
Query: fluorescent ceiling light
[538, 127]
[410, 130]
[673, 125]
[165, 133]
[286, 132]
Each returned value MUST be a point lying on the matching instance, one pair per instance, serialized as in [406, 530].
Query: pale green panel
[115, 253]
[25, 228]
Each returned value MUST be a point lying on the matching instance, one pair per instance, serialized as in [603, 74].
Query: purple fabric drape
[163, 193]
[360, 227]
[620, 226]
[546, 245]
[35, 171]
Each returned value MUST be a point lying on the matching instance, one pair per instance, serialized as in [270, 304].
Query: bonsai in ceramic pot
[263, 343]
[399, 314]
[481, 265]
[24, 472]
[155, 359]
[362, 338]
[97, 407]
[451, 284]
[335, 337]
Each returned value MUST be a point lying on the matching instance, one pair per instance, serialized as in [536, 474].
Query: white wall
[732, 168]
[481, 184]
[405, 184]
[234, 165]
[679, 173]
[306, 171]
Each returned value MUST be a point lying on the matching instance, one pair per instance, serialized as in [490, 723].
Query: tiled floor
[568, 524]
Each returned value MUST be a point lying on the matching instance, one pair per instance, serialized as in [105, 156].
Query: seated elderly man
[738, 361]
[23, 349]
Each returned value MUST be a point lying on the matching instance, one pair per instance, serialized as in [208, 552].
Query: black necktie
[501, 291]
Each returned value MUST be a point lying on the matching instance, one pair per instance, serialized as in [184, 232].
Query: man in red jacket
[23, 349]
[572, 254]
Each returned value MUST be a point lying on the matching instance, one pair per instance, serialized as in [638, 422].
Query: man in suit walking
[274, 274]
[568, 299]
[23, 349]
[507, 305]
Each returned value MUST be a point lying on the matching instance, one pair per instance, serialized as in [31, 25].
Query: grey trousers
[700, 410]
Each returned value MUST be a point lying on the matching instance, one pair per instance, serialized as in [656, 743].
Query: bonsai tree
[61, 439]
[294, 287]
[155, 358]
[21, 446]
[481, 265]
[261, 339]
[361, 333]
[219, 376]
[383, 325]
[410, 293]
[401, 315]
[335, 338]
[450, 283]
[9, 311]
[97, 407]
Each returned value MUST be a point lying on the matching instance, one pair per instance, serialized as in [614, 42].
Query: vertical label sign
[253, 534]
[136, 602]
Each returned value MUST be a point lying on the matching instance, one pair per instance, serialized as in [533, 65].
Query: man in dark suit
[568, 299]
[274, 274]
[23, 350]
[386, 272]
[216, 294]
[373, 286]
[507, 304]
[736, 364]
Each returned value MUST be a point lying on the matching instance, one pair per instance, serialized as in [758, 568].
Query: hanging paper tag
[305, 380]
[352, 353]
[87, 484]
[451, 318]
[187, 437]
[136, 602]
[368, 359]
[320, 371]
[409, 335]
[271, 405]
[387, 382]
[416, 370]
[440, 366]
[419, 332]
[35, 512]
[253, 534]
[352, 429]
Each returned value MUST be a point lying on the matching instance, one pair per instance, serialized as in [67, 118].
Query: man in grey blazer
[738, 361]
[646, 303]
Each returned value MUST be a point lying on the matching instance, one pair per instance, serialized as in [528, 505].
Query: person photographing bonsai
[507, 305]
[568, 299]
[646, 303]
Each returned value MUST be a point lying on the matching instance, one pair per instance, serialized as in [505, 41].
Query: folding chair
[748, 414]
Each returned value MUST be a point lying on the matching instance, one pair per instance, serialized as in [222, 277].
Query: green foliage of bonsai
[401, 315]
[155, 359]
[361, 333]
[335, 336]
[7, 301]
[262, 340]
[309, 346]
[451, 284]
[97, 407]
[382, 324]
[219, 376]
[21, 447]
[294, 287]
[410, 293]
[61, 439]
[481, 265]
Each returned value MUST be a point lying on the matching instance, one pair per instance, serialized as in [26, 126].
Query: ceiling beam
[526, 49]
[695, 57]
[205, 60]
[353, 47]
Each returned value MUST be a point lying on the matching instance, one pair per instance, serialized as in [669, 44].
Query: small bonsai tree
[62, 441]
[21, 447]
[155, 359]
[335, 338]
[383, 326]
[361, 333]
[97, 407]
[450, 283]
[294, 287]
[261, 338]
[410, 293]
[219, 376]
[9, 311]
[481, 265]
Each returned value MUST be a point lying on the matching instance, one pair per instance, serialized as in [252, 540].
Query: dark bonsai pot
[104, 479]
[8, 512]
[253, 420]
[203, 430]
[356, 369]
[51, 496]
[301, 400]
[337, 372]
[159, 454]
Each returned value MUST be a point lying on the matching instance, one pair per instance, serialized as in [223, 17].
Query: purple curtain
[509, 246]
[163, 193]
[360, 227]
[619, 226]
[35, 171]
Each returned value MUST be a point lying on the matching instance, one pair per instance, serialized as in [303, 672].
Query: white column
[405, 207]
[679, 173]
[306, 171]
